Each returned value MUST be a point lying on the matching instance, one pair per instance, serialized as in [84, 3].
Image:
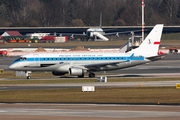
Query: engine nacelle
[72, 36]
[76, 71]
[91, 34]
[117, 35]
[58, 73]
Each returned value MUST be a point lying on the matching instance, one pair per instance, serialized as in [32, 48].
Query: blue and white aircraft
[77, 64]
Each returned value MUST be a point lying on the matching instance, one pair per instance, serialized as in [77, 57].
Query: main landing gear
[81, 76]
[91, 75]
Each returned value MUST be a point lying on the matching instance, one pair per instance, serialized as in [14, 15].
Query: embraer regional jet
[77, 64]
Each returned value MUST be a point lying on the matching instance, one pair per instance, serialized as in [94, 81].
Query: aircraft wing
[69, 34]
[116, 33]
[98, 65]
[72, 35]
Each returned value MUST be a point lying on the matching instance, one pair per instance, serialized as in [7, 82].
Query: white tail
[150, 45]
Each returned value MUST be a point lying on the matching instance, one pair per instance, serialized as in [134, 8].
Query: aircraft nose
[12, 66]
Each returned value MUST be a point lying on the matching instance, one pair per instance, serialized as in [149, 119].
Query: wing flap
[89, 66]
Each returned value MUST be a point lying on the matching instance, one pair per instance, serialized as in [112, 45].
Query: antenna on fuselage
[143, 20]
[100, 19]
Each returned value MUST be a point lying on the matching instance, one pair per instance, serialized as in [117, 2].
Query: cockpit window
[18, 59]
[21, 58]
[24, 58]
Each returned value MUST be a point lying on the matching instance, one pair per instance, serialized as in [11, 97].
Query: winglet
[129, 59]
[132, 55]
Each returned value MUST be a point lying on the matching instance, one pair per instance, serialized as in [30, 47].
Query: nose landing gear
[28, 74]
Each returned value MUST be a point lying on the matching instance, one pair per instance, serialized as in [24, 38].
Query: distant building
[11, 33]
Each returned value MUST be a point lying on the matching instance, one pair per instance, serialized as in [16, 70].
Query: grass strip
[101, 95]
[12, 74]
[75, 43]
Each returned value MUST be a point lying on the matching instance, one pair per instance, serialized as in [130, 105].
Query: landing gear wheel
[91, 75]
[28, 77]
[81, 76]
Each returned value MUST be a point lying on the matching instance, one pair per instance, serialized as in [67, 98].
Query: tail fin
[150, 45]
[100, 19]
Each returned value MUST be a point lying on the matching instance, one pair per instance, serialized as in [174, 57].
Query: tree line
[70, 13]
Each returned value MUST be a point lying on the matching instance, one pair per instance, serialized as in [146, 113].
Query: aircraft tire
[91, 75]
[81, 76]
[28, 77]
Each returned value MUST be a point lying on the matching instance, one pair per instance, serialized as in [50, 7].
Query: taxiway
[88, 111]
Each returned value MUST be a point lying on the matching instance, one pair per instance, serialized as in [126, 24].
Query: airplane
[80, 63]
[95, 33]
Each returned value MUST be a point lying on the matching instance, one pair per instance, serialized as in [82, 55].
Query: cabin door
[36, 60]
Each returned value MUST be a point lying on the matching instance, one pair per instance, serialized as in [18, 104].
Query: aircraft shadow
[116, 76]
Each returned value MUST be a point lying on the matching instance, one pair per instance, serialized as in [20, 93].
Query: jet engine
[76, 71]
[58, 73]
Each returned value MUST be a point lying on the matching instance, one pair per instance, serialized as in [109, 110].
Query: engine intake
[76, 71]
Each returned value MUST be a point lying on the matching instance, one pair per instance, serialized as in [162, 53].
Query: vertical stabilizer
[150, 45]
[100, 19]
